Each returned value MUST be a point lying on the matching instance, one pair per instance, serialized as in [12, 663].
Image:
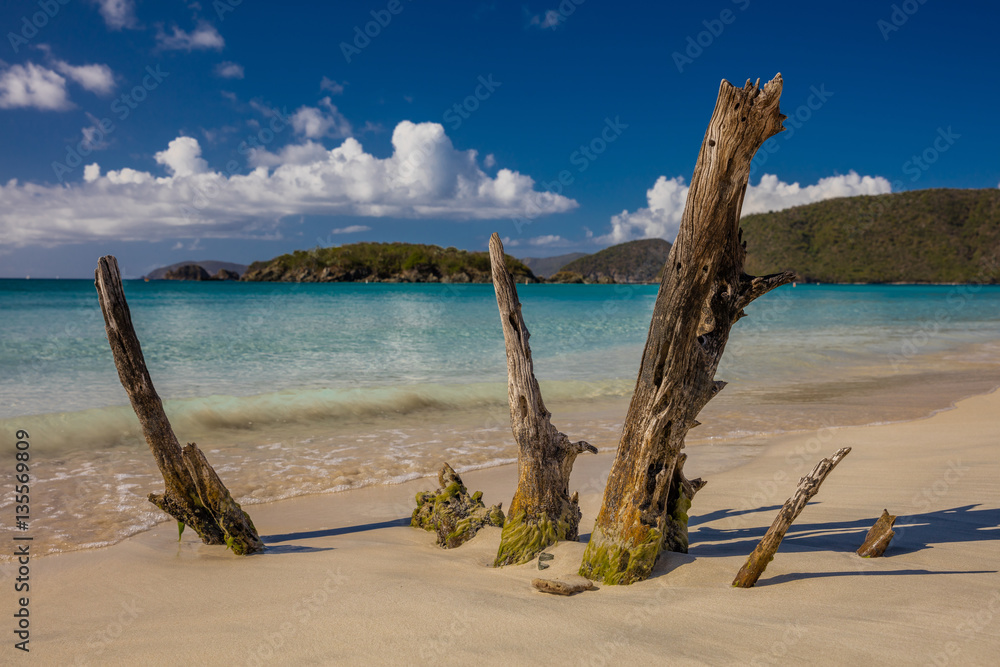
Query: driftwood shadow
[914, 532]
[333, 532]
[293, 549]
[797, 576]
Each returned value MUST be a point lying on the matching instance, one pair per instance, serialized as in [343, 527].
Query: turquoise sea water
[304, 388]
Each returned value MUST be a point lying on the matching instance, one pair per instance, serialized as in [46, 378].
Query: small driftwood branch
[768, 545]
[194, 495]
[878, 537]
[542, 511]
[575, 584]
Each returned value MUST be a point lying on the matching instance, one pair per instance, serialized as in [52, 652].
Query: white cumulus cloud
[315, 123]
[424, 178]
[550, 19]
[774, 195]
[661, 218]
[335, 88]
[94, 136]
[351, 229]
[95, 78]
[547, 240]
[32, 86]
[307, 152]
[182, 157]
[203, 38]
[229, 70]
[117, 14]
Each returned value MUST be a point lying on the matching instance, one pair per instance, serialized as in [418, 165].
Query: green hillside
[383, 262]
[632, 262]
[922, 236]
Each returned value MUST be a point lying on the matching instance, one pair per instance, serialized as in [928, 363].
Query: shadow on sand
[329, 532]
[914, 532]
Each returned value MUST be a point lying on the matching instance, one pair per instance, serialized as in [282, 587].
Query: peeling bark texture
[768, 545]
[569, 586]
[194, 495]
[702, 294]
[542, 511]
[878, 537]
[452, 513]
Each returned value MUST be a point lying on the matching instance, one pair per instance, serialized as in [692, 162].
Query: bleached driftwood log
[542, 511]
[878, 537]
[703, 292]
[768, 545]
[194, 495]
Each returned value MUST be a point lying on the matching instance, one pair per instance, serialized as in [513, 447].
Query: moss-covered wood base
[628, 561]
[452, 513]
[524, 538]
[608, 561]
[211, 511]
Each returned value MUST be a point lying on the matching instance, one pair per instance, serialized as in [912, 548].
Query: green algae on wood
[524, 538]
[609, 562]
[452, 513]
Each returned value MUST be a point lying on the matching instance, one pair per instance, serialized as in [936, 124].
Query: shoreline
[540, 281]
[342, 567]
[483, 433]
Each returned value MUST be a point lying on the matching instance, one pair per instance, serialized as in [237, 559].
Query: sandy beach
[346, 581]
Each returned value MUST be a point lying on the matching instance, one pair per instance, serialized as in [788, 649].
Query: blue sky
[171, 131]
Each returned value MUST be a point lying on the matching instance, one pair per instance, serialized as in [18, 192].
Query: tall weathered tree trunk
[542, 511]
[702, 293]
[194, 495]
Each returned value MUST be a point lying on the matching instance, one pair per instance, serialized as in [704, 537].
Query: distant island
[543, 267]
[385, 263]
[198, 270]
[922, 236]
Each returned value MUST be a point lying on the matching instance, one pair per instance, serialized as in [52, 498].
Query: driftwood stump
[194, 495]
[452, 513]
[702, 294]
[768, 545]
[542, 511]
[878, 537]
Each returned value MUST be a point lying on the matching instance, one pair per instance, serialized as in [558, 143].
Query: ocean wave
[195, 418]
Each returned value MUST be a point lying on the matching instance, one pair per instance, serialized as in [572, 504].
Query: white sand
[343, 587]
